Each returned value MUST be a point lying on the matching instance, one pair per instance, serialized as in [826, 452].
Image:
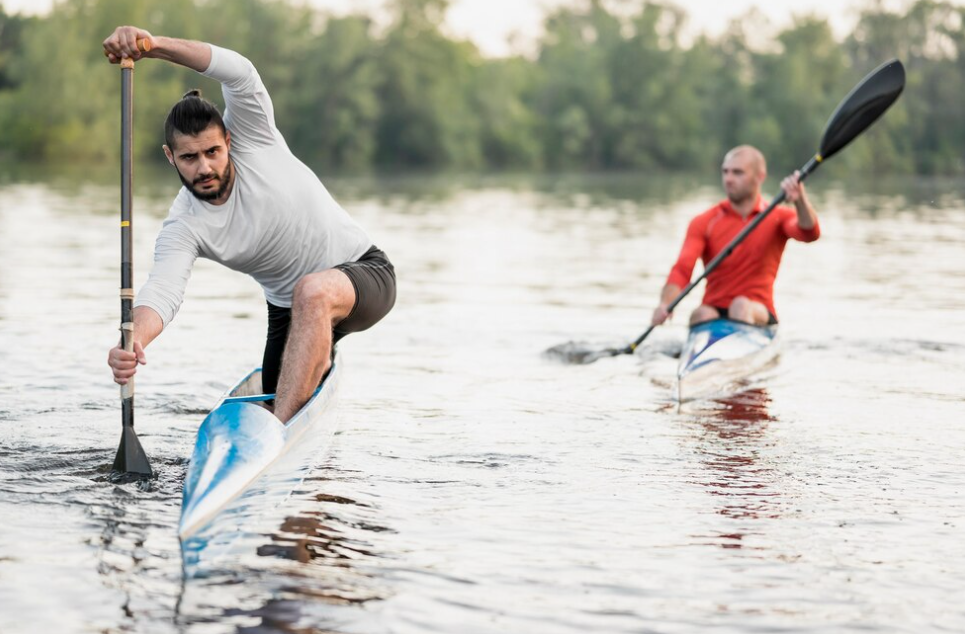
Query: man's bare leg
[747, 310]
[320, 301]
[703, 313]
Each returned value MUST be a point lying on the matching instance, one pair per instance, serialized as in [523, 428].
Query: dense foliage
[605, 89]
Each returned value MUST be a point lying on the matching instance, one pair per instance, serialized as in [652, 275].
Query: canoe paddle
[857, 111]
[130, 455]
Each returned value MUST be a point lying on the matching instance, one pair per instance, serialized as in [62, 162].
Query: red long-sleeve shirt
[752, 268]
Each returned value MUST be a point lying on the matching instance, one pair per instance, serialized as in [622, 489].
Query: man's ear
[227, 140]
[167, 153]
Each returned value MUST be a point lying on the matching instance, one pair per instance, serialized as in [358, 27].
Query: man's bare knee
[323, 293]
[703, 313]
[747, 310]
[312, 290]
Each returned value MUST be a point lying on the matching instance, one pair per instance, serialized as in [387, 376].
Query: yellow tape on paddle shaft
[125, 223]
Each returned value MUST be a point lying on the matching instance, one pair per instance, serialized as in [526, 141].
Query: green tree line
[604, 90]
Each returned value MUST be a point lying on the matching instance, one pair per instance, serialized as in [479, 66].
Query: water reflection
[134, 539]
[731, 437]
[303, 574]
[312, 537]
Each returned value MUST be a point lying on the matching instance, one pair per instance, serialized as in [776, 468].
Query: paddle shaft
[130, 456]
[127, 234]
[727, 250]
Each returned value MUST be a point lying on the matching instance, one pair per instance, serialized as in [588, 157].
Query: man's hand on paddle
[667, 296]
[793, 187]
[660, 315]
[122, 43]
[124, 363]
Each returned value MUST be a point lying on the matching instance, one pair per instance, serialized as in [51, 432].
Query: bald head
[751, 156]
[743, 172]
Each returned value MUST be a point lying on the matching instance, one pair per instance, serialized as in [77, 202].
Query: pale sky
[495, 25]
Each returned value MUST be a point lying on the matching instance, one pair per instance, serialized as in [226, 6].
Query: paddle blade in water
[130, 456]
[862, 107]
[579, 353]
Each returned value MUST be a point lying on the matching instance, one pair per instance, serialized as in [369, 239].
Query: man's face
[742, 177]
[202, 163]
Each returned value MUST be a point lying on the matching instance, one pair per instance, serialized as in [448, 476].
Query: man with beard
[250, 204]
[742, 286]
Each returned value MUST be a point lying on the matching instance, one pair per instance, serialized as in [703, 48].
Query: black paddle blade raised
[576, 353]
[862, 107]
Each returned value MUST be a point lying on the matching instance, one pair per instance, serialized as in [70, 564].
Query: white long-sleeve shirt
[279, 222]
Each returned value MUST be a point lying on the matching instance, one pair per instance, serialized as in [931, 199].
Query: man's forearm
[668, 294]
[194, 55]
[147, 325]
[806, 216]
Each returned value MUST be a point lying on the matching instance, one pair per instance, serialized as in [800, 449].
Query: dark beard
[226, 179]
[737, 201]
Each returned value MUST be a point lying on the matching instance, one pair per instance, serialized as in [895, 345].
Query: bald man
[742, 286]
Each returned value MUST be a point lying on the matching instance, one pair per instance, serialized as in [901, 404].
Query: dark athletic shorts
[722, 312]
[373, 278]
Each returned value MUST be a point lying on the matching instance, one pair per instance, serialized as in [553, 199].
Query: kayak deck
[721, 354]
[240, 441]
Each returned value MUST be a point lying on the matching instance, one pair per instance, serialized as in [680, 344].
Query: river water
[475, 486]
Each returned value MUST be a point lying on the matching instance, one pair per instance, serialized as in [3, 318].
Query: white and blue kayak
[721, 355]
[241, 443]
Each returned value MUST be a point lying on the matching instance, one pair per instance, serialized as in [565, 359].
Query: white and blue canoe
[723, 355]
[241, 447]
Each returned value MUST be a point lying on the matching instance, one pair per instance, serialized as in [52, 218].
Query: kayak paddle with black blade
[130, 455]
[857, 111]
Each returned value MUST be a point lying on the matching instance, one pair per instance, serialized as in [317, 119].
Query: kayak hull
[721, 355]
[241, 443]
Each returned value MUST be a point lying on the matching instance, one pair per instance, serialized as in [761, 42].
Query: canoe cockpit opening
[249, 389]
[249, 386]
